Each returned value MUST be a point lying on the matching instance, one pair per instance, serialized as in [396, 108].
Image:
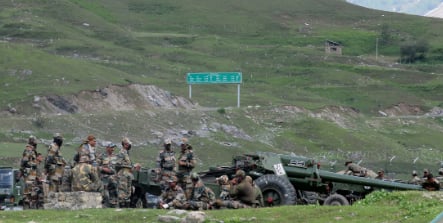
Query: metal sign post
[215, 78]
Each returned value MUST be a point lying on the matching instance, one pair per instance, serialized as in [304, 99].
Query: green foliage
[413, 51]
[221, 111]
[408, 202]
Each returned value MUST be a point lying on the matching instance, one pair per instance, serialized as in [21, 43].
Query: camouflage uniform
[225, 187]
[30, 173]
[173, 196]
[54, 166]
[259, 202]
[202, 197]
[124, 176]
[166, 162]
[186, 163]
[85, 177]
[88, 149]
[107, 163]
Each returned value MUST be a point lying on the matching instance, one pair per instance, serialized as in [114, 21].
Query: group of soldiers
[427, 181]
[111, 174]
[108, 173]
[183, 189]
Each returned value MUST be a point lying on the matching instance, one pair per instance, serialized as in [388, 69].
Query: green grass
[377, 207]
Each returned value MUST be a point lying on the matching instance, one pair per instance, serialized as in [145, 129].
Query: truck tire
[276, 190]
[336, 200]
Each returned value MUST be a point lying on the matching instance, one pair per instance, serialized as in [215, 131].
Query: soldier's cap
[111, 145]
[172, 179]
[240, 173]
[348, 161]
[90, 138]
[414, 173]
[167, 141]
[425, 171]
[56, 135]
[127, 141]
[194, 176]
[380, 171]
[32, 137]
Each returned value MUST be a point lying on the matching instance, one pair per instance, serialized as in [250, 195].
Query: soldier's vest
[187, 156]
[167, 160]
[82, 177]
[224, 191]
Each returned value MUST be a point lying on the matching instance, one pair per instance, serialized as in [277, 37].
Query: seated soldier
[202, 197]
[258, 194]
[242, 192]
[354, 169]
[173, 196]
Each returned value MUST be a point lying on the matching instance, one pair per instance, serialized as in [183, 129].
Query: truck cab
[11, 189]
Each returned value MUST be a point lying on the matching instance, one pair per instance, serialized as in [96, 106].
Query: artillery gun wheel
[276, 190]
[336, 200]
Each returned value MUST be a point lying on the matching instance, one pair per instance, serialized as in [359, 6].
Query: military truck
[291, 179]
[11, 189]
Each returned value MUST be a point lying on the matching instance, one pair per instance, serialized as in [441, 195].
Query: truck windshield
[5, 178]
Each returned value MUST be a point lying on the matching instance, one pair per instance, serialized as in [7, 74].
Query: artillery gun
[291, 179]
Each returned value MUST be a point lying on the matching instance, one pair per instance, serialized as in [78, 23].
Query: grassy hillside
[63, 47]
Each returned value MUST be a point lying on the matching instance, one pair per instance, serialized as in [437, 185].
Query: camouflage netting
[73, 200]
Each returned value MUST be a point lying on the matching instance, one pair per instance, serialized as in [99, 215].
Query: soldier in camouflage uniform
[55, 164]
[85, 177]
[124, 174]
[186, 163]
[28, 169]
[32, 140]
[87, 148]
[107, 162]
[202, 197]
[225, 187]
[173, 196]
[166, 162]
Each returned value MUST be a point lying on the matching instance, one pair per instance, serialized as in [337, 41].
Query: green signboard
[214, 78]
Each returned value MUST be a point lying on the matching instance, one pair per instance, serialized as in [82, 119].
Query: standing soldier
[186, 164]
[166, 162]
[107, 162]
[87, 148]
[202, 197]
[124, 174]
[55, 164]
[28, 167]
[85, 177]
[32, 140]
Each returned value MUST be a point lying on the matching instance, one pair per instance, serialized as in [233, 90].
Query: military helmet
[240, 173]
[440, 171]
[194, 176]
[414, 173]
[111, 145]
